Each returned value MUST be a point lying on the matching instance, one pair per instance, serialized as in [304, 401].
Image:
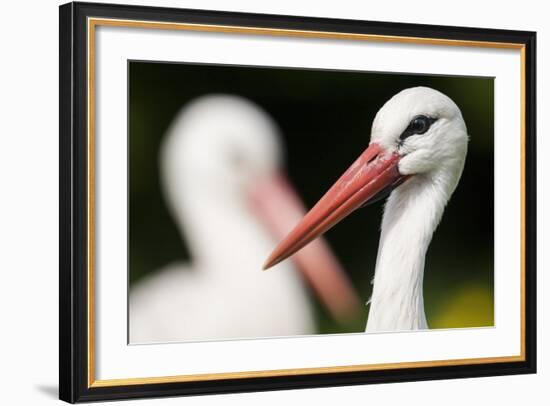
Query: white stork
[416, 155]
[221, 174]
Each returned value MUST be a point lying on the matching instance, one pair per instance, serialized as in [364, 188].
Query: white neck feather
[213, 225]
[411, 215]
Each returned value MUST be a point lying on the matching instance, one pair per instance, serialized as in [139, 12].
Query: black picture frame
[73, 256]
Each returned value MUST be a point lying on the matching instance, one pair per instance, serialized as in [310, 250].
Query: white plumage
[217, 150]
[417, 149]
[212, 150]
[412, 212]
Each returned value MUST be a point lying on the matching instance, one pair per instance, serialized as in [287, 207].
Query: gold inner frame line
[94, 22]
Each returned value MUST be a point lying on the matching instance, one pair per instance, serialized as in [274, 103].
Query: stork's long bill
[278, 206]
[372, 175]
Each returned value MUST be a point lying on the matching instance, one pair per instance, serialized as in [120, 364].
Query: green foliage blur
[325, 118]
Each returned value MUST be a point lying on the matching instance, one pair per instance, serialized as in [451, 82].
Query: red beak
[278, 206]
[370, 175]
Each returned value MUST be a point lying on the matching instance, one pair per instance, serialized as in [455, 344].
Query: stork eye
[418, 125]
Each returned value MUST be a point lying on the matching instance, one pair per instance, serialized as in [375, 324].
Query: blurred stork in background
[221, 168]
[416, 156]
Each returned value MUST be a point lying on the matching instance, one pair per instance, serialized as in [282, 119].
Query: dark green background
[325, 118]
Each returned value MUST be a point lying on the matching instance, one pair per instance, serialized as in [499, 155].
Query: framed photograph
[256, 202]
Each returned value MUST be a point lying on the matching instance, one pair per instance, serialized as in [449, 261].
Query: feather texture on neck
[411, 216]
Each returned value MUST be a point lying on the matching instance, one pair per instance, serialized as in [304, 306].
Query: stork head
[424, 128]
[218, 147]
[419, 132]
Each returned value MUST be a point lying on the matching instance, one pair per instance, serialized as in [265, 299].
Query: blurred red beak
[369, 176]
[278, 206]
